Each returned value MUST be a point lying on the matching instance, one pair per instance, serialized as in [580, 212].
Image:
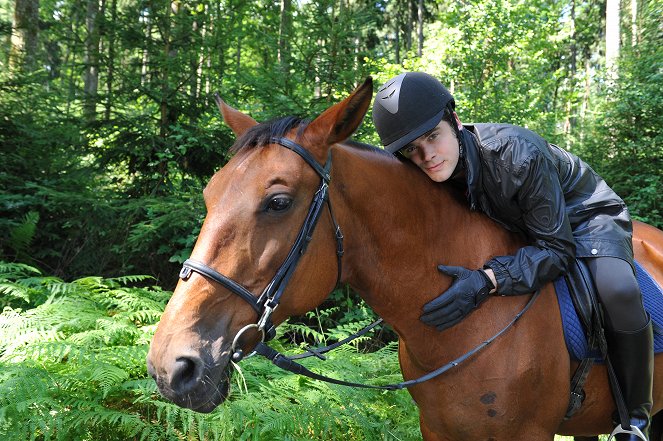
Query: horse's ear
[236, 120]
[339, 121]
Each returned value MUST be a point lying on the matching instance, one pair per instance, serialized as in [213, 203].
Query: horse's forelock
[261, 134]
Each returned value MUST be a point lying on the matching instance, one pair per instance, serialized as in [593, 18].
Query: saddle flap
[583, 295]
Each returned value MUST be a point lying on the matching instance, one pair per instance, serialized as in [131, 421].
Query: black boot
[632, 356]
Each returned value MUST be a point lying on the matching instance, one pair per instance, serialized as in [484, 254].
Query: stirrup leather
[632, 431]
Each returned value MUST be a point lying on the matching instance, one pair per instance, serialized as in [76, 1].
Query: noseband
[265, 304]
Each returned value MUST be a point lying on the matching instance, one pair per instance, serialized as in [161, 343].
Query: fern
[16, 269]
[72, 367]
[20, 237]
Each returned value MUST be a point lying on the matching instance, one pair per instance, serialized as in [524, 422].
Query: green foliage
[622, 138]
[22, 234]
[110, 183]
[72, 366]
[493, 68]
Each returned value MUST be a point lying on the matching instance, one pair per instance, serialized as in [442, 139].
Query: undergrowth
[72, 367]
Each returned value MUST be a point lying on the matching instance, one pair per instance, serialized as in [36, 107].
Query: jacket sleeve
[552, 248]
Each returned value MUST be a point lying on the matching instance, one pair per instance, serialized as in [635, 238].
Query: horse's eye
[279, 203]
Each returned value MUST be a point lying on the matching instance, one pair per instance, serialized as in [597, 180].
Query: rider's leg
[629, 335]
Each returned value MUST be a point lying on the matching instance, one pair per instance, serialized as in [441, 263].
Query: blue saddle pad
[652, 297]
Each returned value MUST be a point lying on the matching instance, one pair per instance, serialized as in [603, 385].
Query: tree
[284, 34]
[612, 35]
[25, 36]
[92, 41]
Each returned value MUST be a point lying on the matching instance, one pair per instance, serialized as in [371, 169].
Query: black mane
[363, 146]
[261, 134]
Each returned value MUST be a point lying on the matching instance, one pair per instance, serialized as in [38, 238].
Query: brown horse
[398, 226]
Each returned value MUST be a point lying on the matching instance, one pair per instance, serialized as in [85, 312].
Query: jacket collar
[472, 161]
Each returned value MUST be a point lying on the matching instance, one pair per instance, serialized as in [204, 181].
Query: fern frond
[108, 376]
[125, 280]
[21, 235]
[14, 270]
[15, 290]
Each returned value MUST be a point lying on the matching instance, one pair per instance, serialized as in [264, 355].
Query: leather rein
[269, 300]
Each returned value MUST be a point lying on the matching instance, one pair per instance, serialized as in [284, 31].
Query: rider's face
[435, 152]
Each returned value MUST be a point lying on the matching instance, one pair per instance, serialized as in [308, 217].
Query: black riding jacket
[556, 200]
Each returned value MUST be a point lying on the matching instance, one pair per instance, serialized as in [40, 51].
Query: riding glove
[468, 290]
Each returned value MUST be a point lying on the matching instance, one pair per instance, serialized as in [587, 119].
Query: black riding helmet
[407, 106]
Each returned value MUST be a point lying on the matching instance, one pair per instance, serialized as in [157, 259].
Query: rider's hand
[468, 290]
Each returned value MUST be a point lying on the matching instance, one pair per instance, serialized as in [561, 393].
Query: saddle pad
[652, 297]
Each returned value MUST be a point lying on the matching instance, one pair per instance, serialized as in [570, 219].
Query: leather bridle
[265, 304]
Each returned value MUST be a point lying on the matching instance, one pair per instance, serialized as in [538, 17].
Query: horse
[397, 225]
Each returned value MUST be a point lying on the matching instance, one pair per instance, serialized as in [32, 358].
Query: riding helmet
[407, 106]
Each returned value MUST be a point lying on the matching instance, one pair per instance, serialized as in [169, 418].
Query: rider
[530, 186]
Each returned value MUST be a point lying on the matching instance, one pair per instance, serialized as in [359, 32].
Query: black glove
[468, 290]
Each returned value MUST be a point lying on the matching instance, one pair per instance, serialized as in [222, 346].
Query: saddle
[582, 321]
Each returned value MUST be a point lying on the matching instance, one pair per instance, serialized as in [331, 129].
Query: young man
[540, 190]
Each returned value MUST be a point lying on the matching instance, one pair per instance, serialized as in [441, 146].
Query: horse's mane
[260, 135]
[367, 147]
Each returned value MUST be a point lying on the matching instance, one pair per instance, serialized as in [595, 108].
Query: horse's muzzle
[188, 382]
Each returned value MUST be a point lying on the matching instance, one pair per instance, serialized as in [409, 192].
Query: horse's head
[256, 206]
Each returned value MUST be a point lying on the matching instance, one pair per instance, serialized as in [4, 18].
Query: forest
[109, 133]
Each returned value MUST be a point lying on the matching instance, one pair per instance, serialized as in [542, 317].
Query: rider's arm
[541, 200]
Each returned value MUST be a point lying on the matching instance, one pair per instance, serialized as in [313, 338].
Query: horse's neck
[399, 226]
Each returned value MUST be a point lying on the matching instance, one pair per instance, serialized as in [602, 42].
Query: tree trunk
[70, 60]
[203, 56]
[196, 58]
[165, 72]
[397, 33]
[25, 36]
[612, 33]
[110, 71]
[574, 49]
[570, 121]
[218, 30]
[145, 59]
[408, 25]
[336, 20]
[91, 60]
[634, 22]
[283, 54]
[587, 90]
[238, 54]
[420, 27]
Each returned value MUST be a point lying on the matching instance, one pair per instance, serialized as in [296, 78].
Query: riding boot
[632, 356]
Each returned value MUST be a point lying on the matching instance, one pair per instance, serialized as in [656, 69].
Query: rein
[288, 363]
[269, 300]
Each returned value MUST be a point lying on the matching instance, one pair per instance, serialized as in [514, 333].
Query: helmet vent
[389, 94]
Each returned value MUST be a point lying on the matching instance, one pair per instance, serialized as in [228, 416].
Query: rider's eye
[279, 203]
[408, 150]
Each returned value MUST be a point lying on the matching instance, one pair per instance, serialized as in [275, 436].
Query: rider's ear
[339, 121]
[236, 120]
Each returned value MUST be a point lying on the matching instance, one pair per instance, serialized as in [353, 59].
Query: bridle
[265, 304]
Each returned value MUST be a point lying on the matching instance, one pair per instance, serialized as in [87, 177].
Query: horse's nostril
[185, 374]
